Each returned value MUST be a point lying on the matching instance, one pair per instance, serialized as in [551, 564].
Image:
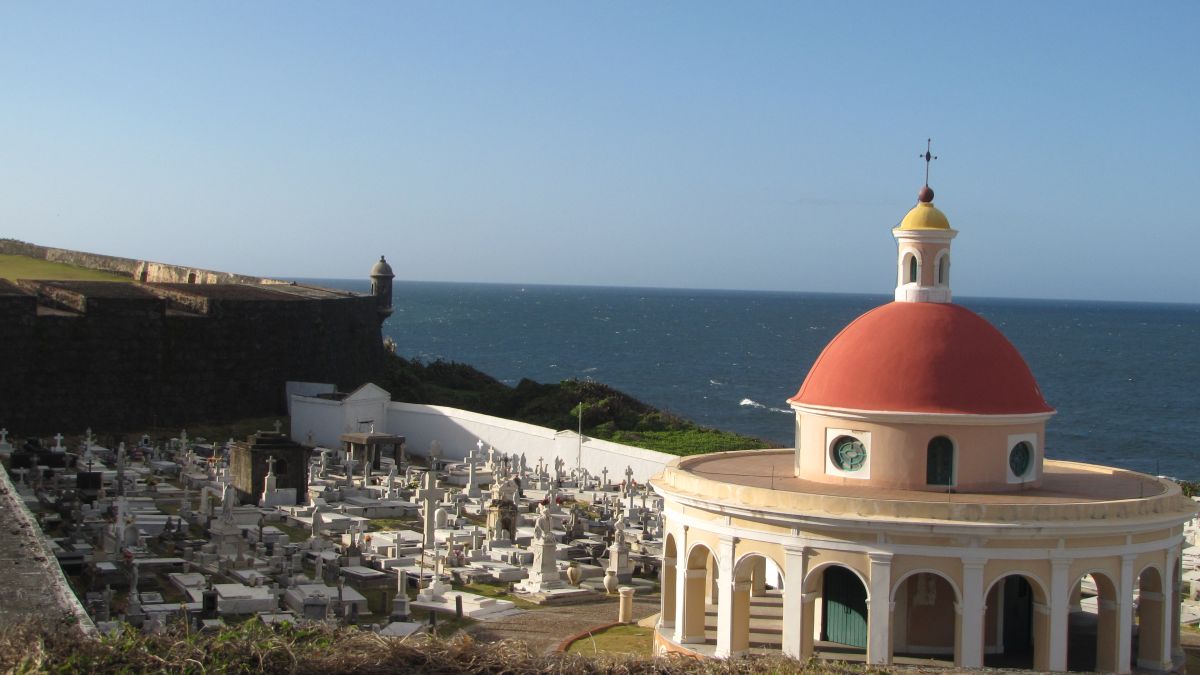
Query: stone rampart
[119, 356]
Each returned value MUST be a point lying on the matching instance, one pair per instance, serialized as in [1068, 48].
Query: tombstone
[58, 446]
[604, 473]
[390, 492]
[430, 494]
[5, 446]
[543, 573]
[400, 610]
[618, 557]
[628, 479]
[472, 487]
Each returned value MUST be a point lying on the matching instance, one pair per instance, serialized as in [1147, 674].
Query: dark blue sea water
[1125, 378]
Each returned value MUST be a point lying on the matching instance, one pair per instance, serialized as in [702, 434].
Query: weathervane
[928, 157]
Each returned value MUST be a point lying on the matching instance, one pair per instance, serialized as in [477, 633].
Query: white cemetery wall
[457, 431]
[317, 416]
[306, 389]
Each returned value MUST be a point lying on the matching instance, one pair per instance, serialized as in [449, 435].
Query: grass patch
[295, 534]
[392, 523]
[695, 441]
[498, 591]
[19, 267]
[626, 639]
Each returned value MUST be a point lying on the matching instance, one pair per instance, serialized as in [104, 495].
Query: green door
[844, 618]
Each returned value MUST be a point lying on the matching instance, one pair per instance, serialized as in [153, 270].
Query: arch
[925, 617]
[1017, 626]
[941, 461]
[927, 570]
[668, 581]
[701, 572]
[191, 277]
[811, 578]
[1093, 636]
[757, 611]
[942, 268]
[914, 270]
[1153, 620]
[844, 601]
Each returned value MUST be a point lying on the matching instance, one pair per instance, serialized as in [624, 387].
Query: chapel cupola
[923, 260]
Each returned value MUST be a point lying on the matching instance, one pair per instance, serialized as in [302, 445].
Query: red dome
[922, 357]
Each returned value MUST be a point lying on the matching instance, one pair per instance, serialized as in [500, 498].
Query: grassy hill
[14, 267]
[607, 413]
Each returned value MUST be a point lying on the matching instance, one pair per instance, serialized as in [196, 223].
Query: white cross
[3, 436]
[278, 426]
[57, 440]
[271, 464]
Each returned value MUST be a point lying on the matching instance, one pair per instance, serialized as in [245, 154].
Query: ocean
[1124, 377]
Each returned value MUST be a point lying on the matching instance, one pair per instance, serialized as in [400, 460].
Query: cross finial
[928, 157]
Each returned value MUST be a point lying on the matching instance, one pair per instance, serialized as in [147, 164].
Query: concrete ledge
[15, 516]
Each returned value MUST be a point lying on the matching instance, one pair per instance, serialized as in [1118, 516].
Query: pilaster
[971, 619]
[725, 588]
[879, 616]
[1059, 611]
[794, 564]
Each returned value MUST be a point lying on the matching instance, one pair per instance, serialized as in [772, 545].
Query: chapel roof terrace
[763, 480]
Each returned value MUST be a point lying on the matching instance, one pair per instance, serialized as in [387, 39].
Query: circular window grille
[1020, 458]
[849, 453]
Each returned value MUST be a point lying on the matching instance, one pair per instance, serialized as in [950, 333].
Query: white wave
[781, 410]
[752, 403]
[590, 370]
[716, 383]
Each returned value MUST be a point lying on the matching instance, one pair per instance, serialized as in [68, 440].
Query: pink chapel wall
[897, 453]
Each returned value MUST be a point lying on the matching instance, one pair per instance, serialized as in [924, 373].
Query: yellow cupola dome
[925, 216]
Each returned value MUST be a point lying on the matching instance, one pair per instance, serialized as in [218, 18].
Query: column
[725, 589]
[689, 627]
[1125, 614]
[681, 584]
[793, 602]
[971, 616]
[670, 594]
[879, 614]
[1060, 610]
[1170, 607]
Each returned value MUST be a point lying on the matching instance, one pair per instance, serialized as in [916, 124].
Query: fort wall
[119, 356]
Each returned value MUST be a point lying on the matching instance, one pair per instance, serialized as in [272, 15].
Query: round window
[1020, 458]
[849, 453]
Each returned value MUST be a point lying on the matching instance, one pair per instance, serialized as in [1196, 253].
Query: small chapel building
[918, 516]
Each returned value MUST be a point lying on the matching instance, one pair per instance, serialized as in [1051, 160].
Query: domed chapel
[918, 517]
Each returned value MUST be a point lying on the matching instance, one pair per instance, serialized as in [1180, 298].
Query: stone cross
[479, 446]
[57, 442]
[3, 436]
[87, 438]
[270, 465]
[278, 426]
[628, 478]
[183, 439]
[430, 494]
[605, 474]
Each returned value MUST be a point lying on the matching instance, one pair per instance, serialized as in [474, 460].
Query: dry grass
[311, 648]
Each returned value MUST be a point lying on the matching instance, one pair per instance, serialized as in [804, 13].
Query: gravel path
[543, 629]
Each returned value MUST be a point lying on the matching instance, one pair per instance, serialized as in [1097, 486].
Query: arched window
[912, 269]
[943, 272]
[939, 462]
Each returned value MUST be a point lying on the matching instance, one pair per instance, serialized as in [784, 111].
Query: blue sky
[738, 145]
